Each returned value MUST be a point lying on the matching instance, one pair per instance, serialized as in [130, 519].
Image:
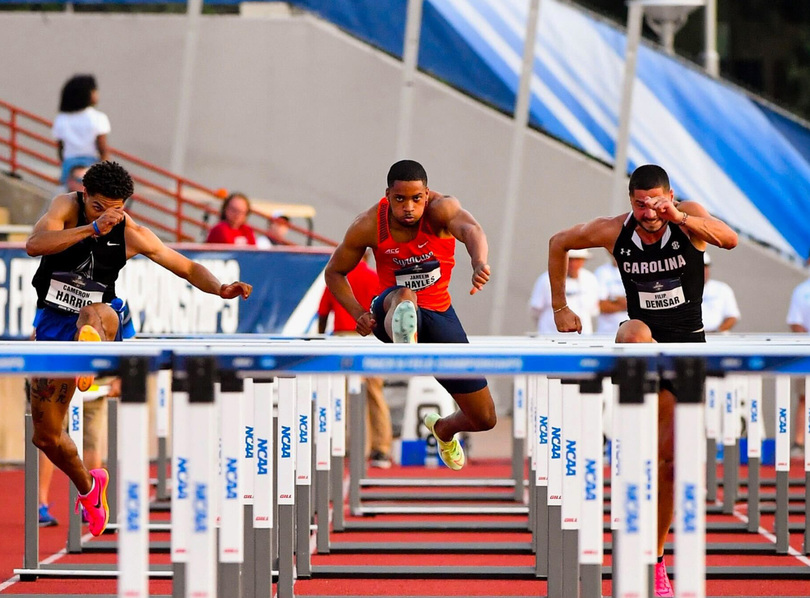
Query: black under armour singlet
[83, 273]
[663, 281]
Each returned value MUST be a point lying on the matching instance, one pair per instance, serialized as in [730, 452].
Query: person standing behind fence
[233, 228]
[364, 282]
[581, 292]
[79, 129]
[612, 300]
[720, 311]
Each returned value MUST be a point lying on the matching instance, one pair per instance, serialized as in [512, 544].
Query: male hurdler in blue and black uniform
[85, 239]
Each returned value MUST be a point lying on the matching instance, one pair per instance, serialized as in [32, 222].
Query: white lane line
[772, 539]
[51, 559]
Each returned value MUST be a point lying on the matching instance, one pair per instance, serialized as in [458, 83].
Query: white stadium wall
[293, 110]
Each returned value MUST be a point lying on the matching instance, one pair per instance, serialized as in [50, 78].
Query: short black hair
[228, 201]
[109, 179]
[76, 93]
[649, 176]
[406, 170]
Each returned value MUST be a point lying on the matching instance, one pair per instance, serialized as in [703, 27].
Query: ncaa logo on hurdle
[631, 509]
[133, 507]
[286, 443]
[555, 443]
[303, 429]
[201, 508]
[590, 479]
[689, 508]
[182, 477]
[571, 457]
[248, 442]
[261, 455]
[74, 418]
[543, 429]
[231, 479]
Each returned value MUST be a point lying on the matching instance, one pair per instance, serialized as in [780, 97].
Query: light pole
[664, 14]
[667, 19]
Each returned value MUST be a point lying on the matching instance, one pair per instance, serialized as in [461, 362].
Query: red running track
[52, 540]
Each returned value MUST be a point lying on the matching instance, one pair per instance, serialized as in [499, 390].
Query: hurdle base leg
[753, 495]
[322, 509]
[570, 560]
[249, 565]
[540, 536]
[555, 551]
[336, 485]
[591, 581]
[711, 470]
[74, 538]
[263, 552]
[806, 546]
[31, 552]
[357, 441]
[781, 530]
[614, 559]
[286, 542]
[518, 449]
[162, 492]
[731, 460]
[178, 580]
[229, 579]
[302, 557]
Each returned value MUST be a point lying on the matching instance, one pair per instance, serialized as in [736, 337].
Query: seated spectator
[280, 228]
[233, 228]
[79, 129]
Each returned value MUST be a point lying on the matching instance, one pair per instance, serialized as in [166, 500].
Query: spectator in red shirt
[233, 228]
[364, 282]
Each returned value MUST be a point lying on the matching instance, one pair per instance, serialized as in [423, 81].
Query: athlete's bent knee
[486, 420]
[634, 331]
[45, 441]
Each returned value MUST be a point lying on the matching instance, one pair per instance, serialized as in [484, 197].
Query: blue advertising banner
[287, 286]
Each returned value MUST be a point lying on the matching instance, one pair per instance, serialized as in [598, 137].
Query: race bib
[419, 276]
[660, 294]
[71, 292]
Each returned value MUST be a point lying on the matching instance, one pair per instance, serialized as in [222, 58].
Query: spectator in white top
[581, 294]
[612, 300]
[798, 318]
[79, 129]
[720, 311]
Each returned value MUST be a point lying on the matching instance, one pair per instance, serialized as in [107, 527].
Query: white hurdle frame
[500, 360]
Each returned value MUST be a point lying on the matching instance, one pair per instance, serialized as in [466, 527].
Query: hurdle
[292, 359]
[134, 365]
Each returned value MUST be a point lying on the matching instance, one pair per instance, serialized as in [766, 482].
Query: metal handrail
[186, 219]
